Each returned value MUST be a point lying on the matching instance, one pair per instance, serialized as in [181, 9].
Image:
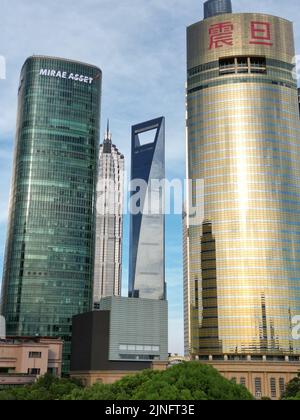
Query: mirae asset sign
[65, 75]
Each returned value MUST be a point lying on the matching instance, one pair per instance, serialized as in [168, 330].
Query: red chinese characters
[221, 34]
[261, 33]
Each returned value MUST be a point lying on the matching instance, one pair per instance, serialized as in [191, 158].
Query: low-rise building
[127, 335]
[262, 377]
[23, 359]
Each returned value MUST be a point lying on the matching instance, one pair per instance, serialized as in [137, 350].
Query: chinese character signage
[223, 34]
[261, 33]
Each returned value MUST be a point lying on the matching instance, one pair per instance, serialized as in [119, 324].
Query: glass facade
[216, 7]
[147, 221]
[48, 270]
[109, 221]
[243, 274]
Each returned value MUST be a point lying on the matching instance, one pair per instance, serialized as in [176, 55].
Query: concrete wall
[142, 322]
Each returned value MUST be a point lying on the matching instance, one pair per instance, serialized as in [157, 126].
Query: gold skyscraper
[242, 279]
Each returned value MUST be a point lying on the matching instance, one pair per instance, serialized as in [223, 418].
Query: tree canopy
[46, 388]
[293, 389]
[186, 381]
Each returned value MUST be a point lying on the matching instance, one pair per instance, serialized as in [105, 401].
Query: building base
[262, 379]
[90, 378]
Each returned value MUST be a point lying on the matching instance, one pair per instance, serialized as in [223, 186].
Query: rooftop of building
[13, 340]
[245, 14]
[67, 60]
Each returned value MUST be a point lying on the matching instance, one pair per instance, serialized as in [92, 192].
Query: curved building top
[241, 34]
[63, 60]
[216, 7]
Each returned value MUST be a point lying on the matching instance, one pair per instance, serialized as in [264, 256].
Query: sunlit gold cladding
[243, 140]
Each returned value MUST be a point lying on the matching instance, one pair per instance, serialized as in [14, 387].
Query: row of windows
[66, 217]
[46, 206]
[241, 80]
[255, 60]
[55, 171]
[236, 158]
[63, 236]
[47, 156]
[226, 231]
[49, 87]
[47, 114]
[241, 95]
[258, 286]
[238, 66]
[63, 100]
[67, 276]
[244, 119]
[64, 267]
[54, 106]
[43, 195]
[138, 357]
[136, 347]
[260, 175]
[255, 149]
[39, 246]
[58, 139]
[56, 167]
[262, 135]
[245, 92]
[62, 125]
[273, 386]
[259, 107]
[54, 321]
[264, 121]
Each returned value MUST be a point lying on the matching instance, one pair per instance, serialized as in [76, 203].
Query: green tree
[293, 389]
[46, 388]
[187, 381]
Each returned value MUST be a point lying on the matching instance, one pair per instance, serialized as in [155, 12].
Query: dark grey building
[138, 328]
[147, 220]
[125, 335]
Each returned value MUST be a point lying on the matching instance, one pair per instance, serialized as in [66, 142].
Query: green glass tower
[48, 267]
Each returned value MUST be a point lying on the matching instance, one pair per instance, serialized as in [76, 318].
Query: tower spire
[107, 136]
[107, 144]
[107, 130]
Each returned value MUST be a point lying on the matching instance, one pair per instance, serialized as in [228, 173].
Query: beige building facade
[261, 378]
[22, 360]
[89, 378]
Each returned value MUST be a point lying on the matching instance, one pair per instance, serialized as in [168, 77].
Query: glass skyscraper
[109, 221]
[147, 220]
[48, 269]
[242, 278]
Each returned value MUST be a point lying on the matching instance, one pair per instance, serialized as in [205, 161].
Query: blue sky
[140, 46]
